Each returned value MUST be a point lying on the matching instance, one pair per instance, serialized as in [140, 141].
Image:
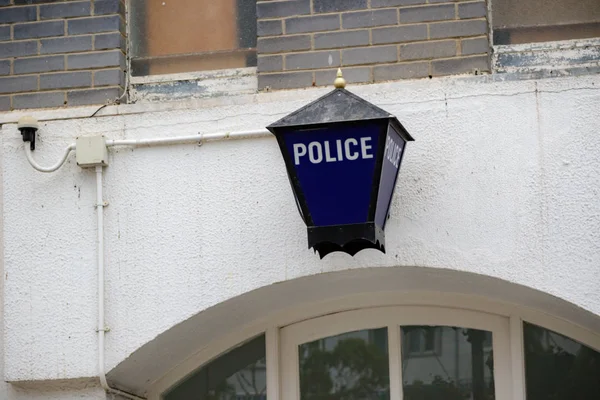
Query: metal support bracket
[103, 204]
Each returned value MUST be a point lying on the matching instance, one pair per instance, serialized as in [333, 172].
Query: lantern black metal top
[342, 156]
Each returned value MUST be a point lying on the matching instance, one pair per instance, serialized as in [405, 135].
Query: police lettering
[349, 149]
[392, 152]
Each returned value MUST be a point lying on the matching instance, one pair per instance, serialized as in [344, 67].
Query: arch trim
[274, 323]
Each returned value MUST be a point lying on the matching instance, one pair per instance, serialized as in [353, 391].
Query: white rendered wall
[503, 180]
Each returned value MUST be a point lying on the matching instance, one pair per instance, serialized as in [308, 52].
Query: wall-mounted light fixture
[343, 155]
[28, 126]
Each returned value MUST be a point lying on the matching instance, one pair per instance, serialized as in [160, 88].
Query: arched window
[402, 353]
[397, 352]
[557, 367]
[238, 374]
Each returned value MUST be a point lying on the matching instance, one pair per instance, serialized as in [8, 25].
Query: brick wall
[72, 52]
[302, 42]
[55, 53]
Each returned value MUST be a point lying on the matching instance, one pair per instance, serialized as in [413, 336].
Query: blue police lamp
[342, 155]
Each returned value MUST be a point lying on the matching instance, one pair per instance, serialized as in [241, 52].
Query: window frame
[490, 12]
[554, 58]
[552, 54]
[246, 78]
[393, 318]
[272, 324]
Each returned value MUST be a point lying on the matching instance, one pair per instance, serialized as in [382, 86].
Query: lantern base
[349, 239]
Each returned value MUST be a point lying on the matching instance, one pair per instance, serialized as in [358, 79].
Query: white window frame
[393, 318]
[272, 325]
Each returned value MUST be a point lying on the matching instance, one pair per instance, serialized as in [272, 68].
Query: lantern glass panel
[335, 166]
[392, 157]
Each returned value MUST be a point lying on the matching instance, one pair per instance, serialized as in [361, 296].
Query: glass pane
[239, 374]
[430, 336]
[453, 363]
[559, 368]
[169, 36]
[350, 366]
[414, 341]
[518, 21]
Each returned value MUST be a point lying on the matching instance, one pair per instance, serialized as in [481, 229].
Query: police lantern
[342, 155]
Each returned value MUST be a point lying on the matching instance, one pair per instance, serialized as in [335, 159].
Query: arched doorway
[281, 320]
[408, 352]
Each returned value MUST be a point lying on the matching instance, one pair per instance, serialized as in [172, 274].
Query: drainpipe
[102, 329]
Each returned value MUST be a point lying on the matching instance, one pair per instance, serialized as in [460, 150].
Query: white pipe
[101, 324]
[198, 138]
[51, 168]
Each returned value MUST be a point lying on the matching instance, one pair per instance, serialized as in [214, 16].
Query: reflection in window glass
[350, 366]
[239, 374]
[421, 341]
[447, 363]
[169, 36]
[559, 368]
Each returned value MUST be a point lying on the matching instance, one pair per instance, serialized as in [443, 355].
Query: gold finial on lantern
[339, 82]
